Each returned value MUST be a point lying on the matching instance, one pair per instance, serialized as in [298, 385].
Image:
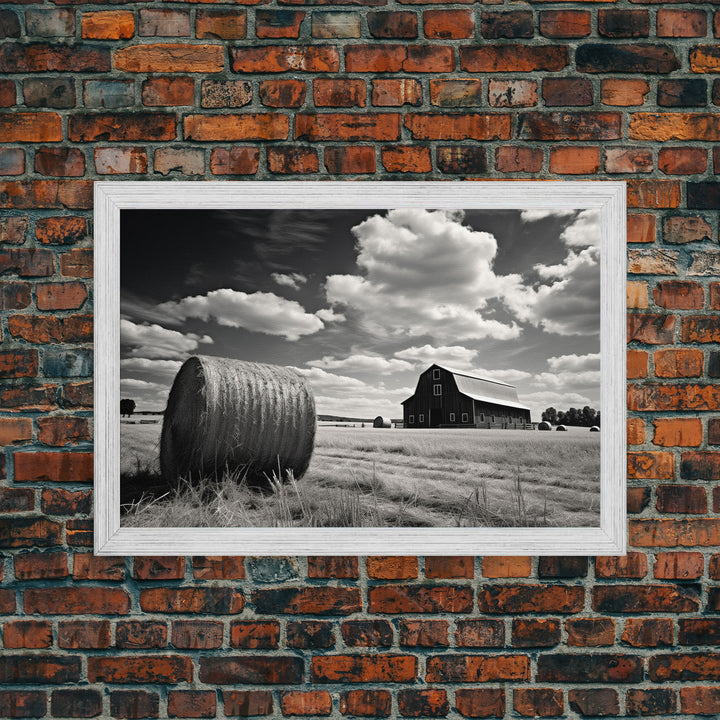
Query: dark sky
[362, 301]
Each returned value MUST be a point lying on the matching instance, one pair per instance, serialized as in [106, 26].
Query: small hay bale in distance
[594, 428]
[560, 428]
[382, 422]
[544, 425]
[227, 416]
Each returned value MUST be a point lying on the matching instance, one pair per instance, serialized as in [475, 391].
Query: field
[368, 477]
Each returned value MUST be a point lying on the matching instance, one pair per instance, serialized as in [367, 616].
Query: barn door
[435, 417]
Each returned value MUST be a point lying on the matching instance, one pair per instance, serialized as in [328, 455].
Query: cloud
[509, 375]
[164, 370]
[584, 231]
[154, 341]
[327, 315]
[293, 280]
[543, 214]
[543, 399]
[455, 356]
[574, 363]
[258, 312]
[423, 273]
[147, 395]
[362, 363]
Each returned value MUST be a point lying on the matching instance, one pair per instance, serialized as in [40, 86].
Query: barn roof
[484, 390]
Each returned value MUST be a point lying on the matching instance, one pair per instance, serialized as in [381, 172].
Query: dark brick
[653, 701]
[392, 24]
[590, 668]
[367, 633]
[608, 58]
[596, 702]
[516, 24]
[703, 195]
[565, 566]
[9, 24]
[310, 634]
[76, 703]
[682, 93]
[624, 23]
[462, 159]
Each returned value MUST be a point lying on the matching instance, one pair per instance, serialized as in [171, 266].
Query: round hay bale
[382, 422]
[560, 428]
[243, 418]
[544, 425]
[594, 428]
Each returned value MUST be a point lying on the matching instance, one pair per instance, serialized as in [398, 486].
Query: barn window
[452, 417]
[464, 417]
[412, 420]
[492, 419]
[436, 374]
[482, 417]
[421, 418]
[437, 389]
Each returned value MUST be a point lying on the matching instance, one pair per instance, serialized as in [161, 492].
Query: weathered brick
[518, 159]
[623, 23]
[699, 631]
[366, 703]
[310, 702]
[595, 702]
[39, 669]
[700, 700]
[332, 92]
[684, 229]
[477, 668]
[76, 702]
[108, 25]
[569, 126]
[221, 24]
[121, 161]
[418, 599]
[139, 669]
[637, 295]
[590, 668]
[406, 159]
[121, 127]
[679, 362]
[395, 92]
[44, 57]
[346, 160]
[681, 23]
[236, 160]
[254, 635]
[292, 159]
[448, 567]
[673, 126]
[217, 600]
[16, 499]
[538, 702]
[448, 24]
[682, 160]
[168, 91]
[633, 565]
[509, 599]
[187, 161]
[480, 702]
[256, 126]
[480, 633]
[456, 93]
[247, 702]
[167, 57]
[12, 161]
[108, 93]
[76, 601]
[527, 633]
[60, 162]
[684, 666]
[282, 93]
[678, 566]
[623, 93]
[225, 93]
[609, 58]
[307, 601]
[574, 160]
[137, 634]
[163, 22]
[335, 25]
[402, 24]
[197, 634]
[347, 126]
[590, 632]
[367, 633]
[13, 230]
[192, 703]
[514, 24]
[278, 23]
[574, 92]
[258, 670]
[511, 93]
[284, 58]
[557, 566]
[682, 93]
[431, 702]
[652, 701]
[629, 160]
[648, 632]
[671, 432]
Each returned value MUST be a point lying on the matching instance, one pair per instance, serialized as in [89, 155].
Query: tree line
[587, 417]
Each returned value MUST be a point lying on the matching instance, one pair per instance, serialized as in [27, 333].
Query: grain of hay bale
[561, 428]
[594, 428]
[544, 425]
[243, 418]
[382, 422]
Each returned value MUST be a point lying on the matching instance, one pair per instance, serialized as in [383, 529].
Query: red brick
[77, 263]
[218, 568]
[251, 669]
[76, 703]
[74, 194]
[30, 127]
[139, 669]
[60, 162]
[512, 93]
[538, 702]
[569, 126]
[216, 600]
[76, 601]
[637, 364]
[191, 703]
[366, 703]
[136, 634]
[311, 702]
[347, 126]
[406, 158]
[255, 126]
[418, 598]
[395, 92]
[477, 668]
[480, 702]
[13, 230]
[119, 161]
[350, 159]
[39, 668]
[673, 126]
[168, 57]
[285, 58]
[449, 567]
[12, 161]
[590, 668]
[332, 92]
[61, 296]
[681, 23]
[247, 702]
[282, 93]
[629, 160]
[236, 160]
[27, 262]
[670, 432]
[623, 23]
[278, 24]
[590, 632]
[651, 465]
[292, 159]
[700, 700]
[338, 24]
[652, 701]
[27, 634]
[678, 566]
[424, 633]
[700, 329]
[306, 634]
[63, 230]
[699, 631]
[687, 499]
[53, 467]
[14, 500]
[651, 328]
[397, 58]
[644, 598]
[62, 430]
[574, 160]
[648, 632]
[448, 24]
[159, 568]
[480, 633]
[574, 92]
[367, 633]
[679, 295]
[526, 598]
[40, 565]
[518, 159]
[225, 93]
[653, 194]
[435, 126]
[623, 93]
[430, 702]
[635, 431]
[633, 565]
[29, 397]
[684, 666]
[503, 566]
[684, 229]
[564, 23]
[681, 362]
[108, 25]
[390, 25]
[254, 635]
[685, 532]
[515, 24]
[197, 634]
[528, 633]
[7, 93]
[682, 160]
[456, 93]
[18, 363]
[91, 567]
[186, 161]
[599, 702]
[363, 668]
[714, 431]
[134, 704]
[121, 127]
[513, 58]
[168, 91]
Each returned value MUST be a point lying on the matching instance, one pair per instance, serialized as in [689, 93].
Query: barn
[446, 398]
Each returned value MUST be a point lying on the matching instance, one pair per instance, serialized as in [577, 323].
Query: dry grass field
[368, 477]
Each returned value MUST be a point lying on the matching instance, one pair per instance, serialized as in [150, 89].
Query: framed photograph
[423, 368]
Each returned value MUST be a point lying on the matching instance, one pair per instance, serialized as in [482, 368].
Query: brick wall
[362, 89]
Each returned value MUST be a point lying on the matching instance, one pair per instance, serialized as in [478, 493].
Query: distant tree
[127, 407]
[550, 415]
[587, 417]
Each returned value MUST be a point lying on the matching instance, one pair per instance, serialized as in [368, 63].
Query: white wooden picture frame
[609, 538]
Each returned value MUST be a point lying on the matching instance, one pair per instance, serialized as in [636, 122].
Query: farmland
[377, 477]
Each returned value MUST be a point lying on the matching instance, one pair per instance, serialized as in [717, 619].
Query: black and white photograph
[380, 368]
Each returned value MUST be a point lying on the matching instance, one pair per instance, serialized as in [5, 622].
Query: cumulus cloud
[154, 341]
[160, 370]
[423, 273]
[584, 231]
[542, 214]
[147, 395]
[258, 312]
[328, 315]
[291, 280]
[455, 356]
[574, 363]
[362, 363]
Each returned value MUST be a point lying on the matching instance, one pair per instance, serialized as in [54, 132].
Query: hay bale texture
[382, 422]
[227, 416]
[544, 425]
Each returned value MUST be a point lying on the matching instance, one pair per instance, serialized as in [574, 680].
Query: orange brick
[506, 566]
[624, 93]
[15, 430]
[686, 432]
[641, 228]
[108, 25]
[574, 160]
[678, 362]
[637, 294]
[635, 431]
[637, 364]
